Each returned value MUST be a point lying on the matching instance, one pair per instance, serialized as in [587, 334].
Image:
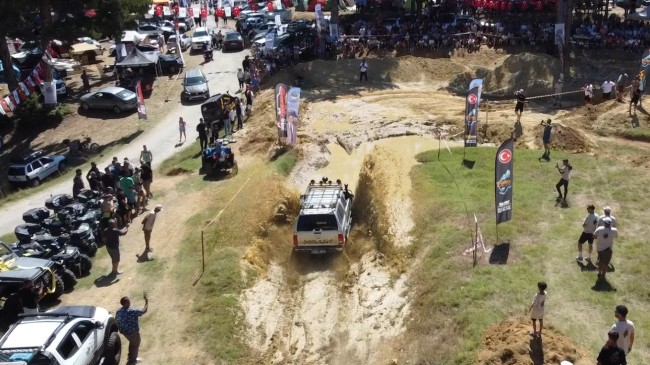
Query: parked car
[167, 26]
[215, 109]
[195, 85]
[113, 98]
[69, 335]
[233, 40]
[169, 63]
[200, 37]
[184, 41]
[149, 29]
[33, 168]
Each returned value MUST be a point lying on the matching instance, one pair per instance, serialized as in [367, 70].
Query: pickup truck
[325, 218]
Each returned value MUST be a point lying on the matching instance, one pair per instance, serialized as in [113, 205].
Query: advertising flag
[281, 110]
[643, 73]
[293, 115]
[471, 112]
[142, 109]
[503, 177]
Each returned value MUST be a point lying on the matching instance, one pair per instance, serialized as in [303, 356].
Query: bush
[33, 114]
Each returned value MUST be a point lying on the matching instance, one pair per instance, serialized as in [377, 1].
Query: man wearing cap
[608, 214]
[625, 329]
[589, 226]
[112, 239]
[604, 237]
[611, 354]
[147, 226]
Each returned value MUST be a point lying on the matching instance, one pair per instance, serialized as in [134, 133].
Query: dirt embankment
[510, 343]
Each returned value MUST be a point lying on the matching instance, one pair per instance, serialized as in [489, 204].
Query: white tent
[131, 36]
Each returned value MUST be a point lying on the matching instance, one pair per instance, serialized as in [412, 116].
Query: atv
[216, 159]
[50, 248]
[14, 270]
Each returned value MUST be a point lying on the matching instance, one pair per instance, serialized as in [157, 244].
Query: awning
[80, 48]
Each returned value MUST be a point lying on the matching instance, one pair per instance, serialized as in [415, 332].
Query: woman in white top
[537, 308]
[565, 171]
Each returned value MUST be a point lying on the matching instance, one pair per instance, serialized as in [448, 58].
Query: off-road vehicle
[76, 335]
[325, 218]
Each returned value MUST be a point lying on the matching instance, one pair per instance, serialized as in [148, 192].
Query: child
[565, 171]
[537, 309]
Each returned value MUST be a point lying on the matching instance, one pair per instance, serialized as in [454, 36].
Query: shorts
[588, 98]
[519, 107]
[635, 100]
[608, 95]
[114, 253]
[546, 141]
[605, 256]
[586, 237]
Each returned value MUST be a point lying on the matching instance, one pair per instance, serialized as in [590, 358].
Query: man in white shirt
[147, 227]
[363, 70]
[589, 226]
[589, 92]
[607, 211]
[625, 329]
[608, 86]
[604, 237]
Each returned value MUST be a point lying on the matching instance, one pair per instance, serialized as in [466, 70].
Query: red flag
[190, 11]
[269, 6]
[30, 84]
[13, 97]
[21, 94]
[4, 106]
[159, 11]
[524, 5]
[236, 11]
[36, 77]
[142, 110]
[24, 88]
[204, 13]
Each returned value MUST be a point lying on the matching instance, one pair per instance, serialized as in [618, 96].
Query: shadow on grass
[602, 285]
[500, 254]
[106, 280]
[589, 266]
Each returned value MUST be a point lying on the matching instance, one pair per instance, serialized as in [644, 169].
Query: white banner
[559, 33]
[228, 10]
[49, 92]
[293, 114]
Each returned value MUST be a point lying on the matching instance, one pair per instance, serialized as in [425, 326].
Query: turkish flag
[269, 6]
[540, 6]
[176, 10]
[236, 11]
[524, 5]
[254, 7]
[509, 5]
[204, 13]
[220, 12]
[159, 11]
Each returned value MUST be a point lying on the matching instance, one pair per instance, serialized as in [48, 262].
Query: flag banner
[31, 85]
[37, 78]
[24, 89]
[9, 104]
[281, 110]
[4, 107]
[293, 115]
[503, 177]
[14, 100]
[643, 72]
[142, 109]
[471, 118]
[16, 97]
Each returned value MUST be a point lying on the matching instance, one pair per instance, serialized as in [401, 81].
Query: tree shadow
[536, 350]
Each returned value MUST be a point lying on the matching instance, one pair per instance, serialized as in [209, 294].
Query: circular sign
[471, 98]
[505, 156]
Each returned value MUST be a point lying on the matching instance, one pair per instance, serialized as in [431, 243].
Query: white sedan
[200, 37]
[185, 42]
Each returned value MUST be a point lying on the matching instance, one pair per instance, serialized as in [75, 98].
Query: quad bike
[217, 158]
[54, 249]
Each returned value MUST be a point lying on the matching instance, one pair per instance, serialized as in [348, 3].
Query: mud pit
[350, 308]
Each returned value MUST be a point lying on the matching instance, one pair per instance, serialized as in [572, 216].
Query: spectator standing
[93, 168]
[126, 182]
[112, 237]
[145, 156]
[232, 114]
[146, 174]
[85, 80]
[537, 308]
[240, 78]
[203, 136]
[635, 94]
[621, 84]
[611, 354]
[589, 226]
[589, 92]
[181, 130]
[77, 183]
[108, 181]
[607, 213]
[608, 86]
[249, 101]
[246, 64]
[559, 84]
[564, 171]
[363, 70]
[546, 139]
[625, 329]
[147, 226]
[94, 183]
[127, 319]
[519, 107]
[604, 236]
[240, 121]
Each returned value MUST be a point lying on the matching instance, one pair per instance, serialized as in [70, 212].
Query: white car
[185, 42]
[168, 27]
[200, 37]
[76, 335]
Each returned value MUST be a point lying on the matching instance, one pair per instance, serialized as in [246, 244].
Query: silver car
[114, 98]
[195, 85]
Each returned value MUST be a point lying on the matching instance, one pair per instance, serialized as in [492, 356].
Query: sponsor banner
[293, 115]
[281, 109]
[142, 109]
[503, 178]
[472, 103]
[559, 34]
[49, 92]
[643, 72]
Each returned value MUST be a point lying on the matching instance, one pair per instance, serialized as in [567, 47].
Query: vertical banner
[293, 115]
[471, 112]
[643, 72]
[49, 92]
[281, 111]
[142, 109]
[559, 34]
[503, 177]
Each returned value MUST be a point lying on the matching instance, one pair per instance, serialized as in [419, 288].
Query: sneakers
[579, 258]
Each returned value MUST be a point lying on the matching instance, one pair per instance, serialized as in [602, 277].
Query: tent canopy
[131, 36]
[137, 59]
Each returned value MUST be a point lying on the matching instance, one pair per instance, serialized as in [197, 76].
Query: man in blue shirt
[546, 140]
[127, 321]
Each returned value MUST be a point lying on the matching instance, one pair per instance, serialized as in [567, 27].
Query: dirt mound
[322, 73]
[532, 72]
[567, 138]
[261, 134]
[510, 343]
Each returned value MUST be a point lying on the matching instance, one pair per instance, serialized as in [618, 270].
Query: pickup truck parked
[325, 218]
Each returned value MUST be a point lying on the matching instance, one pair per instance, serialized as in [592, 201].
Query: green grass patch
[187, 160]
[543, 239]
[636, 134]
[285, 163]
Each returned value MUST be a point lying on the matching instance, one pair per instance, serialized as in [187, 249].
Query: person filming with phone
[127, 319]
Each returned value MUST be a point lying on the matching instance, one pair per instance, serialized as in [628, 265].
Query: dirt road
[161, 140]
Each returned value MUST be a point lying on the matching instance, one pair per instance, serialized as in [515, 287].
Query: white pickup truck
[325, 218]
